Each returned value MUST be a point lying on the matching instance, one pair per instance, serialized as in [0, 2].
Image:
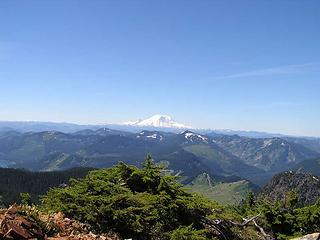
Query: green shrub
[136, 203]
[25, 198]
[187, 233]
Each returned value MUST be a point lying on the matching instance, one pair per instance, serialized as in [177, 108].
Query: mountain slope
[310, 165]
[305, 185]
[101, 132]
[311, 143]
[15, 181]
[269, 154]
[27, 150]
[222, 190]
[219, 161]
[214, 158]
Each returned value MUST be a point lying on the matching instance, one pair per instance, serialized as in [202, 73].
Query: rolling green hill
[224, 192]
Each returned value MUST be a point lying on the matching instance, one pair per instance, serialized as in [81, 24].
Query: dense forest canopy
[16, 181]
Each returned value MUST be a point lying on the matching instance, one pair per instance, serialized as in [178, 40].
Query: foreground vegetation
[147, 203]
[143, 204]
[284, 219]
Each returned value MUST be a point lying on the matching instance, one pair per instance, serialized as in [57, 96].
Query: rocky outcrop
[12, 225]
[19, 222]
[313, 236]
[305, 185]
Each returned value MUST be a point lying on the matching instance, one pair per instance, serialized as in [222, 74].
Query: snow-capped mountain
[163, 121]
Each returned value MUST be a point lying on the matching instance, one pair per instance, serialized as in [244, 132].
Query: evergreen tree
[25, 198]
[139, 203]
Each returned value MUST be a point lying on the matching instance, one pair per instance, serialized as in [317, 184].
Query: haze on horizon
[238, 65]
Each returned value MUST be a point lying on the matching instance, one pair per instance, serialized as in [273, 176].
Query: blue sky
[245, 65]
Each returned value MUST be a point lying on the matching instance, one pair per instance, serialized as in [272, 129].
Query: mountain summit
[158, 120]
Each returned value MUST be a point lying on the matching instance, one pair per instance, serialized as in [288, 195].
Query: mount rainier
[162, 121]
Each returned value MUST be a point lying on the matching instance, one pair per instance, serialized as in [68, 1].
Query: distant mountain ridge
[270, 154]
[309, 165]
[187, 153]
[45, 146]
[137, 126]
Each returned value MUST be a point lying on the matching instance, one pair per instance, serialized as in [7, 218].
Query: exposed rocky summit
[305, 185]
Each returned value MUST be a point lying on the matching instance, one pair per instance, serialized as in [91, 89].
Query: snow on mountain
[193, 137]
[158, 120]
[150, 135]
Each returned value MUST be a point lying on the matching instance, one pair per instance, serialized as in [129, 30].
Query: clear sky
[243, 65]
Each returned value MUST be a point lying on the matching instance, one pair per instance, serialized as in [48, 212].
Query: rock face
[17, 227]
[313, 236]
[15, 224]
[305, 185]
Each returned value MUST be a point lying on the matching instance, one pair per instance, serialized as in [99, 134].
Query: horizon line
[141, 127]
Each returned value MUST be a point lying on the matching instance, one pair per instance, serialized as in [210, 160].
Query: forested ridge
[15, 181]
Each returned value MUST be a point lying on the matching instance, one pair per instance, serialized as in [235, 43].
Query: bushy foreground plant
[136, 203]
[285, 218]
[187, 233]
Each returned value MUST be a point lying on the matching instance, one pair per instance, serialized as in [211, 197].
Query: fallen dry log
[219, 228]
[223, 228]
